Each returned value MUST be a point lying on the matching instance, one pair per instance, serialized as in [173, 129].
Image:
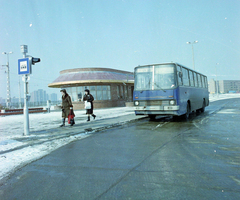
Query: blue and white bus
[169, 89]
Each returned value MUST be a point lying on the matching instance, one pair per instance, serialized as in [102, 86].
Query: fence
[30, 104]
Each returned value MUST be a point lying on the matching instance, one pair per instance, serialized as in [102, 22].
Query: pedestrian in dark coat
[66, 106]
[89, 98]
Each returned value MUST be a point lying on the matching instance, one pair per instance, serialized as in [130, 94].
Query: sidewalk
[19, 150]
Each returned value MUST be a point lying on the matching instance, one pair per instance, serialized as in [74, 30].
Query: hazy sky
[119, 34]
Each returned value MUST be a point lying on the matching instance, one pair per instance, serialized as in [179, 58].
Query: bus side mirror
[180, 74]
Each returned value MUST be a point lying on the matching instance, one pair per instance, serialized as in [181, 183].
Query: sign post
[25, 69]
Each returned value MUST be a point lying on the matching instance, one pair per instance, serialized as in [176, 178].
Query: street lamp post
[216, 79]
[8, 80]
[193, 51]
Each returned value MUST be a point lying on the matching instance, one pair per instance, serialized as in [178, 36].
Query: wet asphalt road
[161, 159]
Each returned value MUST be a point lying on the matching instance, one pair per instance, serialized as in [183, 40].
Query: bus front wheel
[152, 117]
[186, 115]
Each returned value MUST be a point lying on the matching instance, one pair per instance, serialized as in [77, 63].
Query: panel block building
[224, 86]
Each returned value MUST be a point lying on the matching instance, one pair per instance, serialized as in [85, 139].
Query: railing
[20, 111]
[16, 105]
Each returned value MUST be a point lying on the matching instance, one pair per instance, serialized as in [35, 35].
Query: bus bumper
[158, 110]
[150, 108]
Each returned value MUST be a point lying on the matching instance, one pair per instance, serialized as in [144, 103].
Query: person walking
[66, 106]
[89, 98]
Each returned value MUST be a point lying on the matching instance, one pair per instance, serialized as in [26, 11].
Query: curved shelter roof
[83, 76]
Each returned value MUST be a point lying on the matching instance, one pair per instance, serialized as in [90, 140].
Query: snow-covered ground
[12, 126]
[215, 97]
[11, 132]
[12, 129]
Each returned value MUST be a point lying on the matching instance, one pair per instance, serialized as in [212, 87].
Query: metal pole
[8, 80]
[193, 57]
[25, 110]
[8, 85]
[19, 88]
[193, 52]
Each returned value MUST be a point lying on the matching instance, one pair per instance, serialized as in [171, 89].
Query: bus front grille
[153, 103]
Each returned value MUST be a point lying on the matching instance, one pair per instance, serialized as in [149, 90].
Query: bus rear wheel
[203, 106]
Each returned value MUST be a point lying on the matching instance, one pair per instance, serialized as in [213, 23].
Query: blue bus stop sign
[24, 66]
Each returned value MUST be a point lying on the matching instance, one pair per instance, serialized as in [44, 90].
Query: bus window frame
[179, 75]
[203, 82]
[187, 73]
[195, 79]
[206, 82]
[199, 80]
[192, 83]
[174, 73]
[150, 82]
[152, 67]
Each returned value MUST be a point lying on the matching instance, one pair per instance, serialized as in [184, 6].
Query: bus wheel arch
[190, 108]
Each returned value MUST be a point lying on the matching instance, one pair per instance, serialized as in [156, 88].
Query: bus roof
[167, 63]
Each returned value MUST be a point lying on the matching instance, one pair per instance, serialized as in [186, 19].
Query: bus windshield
[158, 77]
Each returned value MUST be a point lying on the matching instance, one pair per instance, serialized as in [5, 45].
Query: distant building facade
[224, 86]
[53, 97]
[2, 100]
[109, 87]
[39, 96]
[16, 100]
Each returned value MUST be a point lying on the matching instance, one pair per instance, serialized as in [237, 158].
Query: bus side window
[185, 77]
[199, 80]
[195, 79]
[203, 82]
[206, 83]
[191, 78]
[179, 75]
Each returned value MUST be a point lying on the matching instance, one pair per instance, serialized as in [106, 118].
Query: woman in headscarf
[89, 98]
[66, 106]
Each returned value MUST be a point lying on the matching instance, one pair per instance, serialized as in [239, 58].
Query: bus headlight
[136, 103]
[172, 102]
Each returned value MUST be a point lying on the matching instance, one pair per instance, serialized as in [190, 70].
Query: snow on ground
[16, 159]
[11, 127]
[215, 97]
